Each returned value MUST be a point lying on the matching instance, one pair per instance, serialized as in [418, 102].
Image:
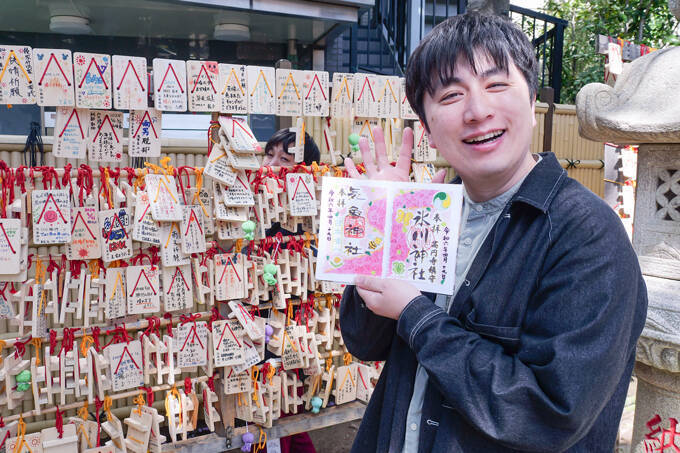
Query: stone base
[656, 402]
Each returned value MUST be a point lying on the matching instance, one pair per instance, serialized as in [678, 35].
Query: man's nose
[477, 108]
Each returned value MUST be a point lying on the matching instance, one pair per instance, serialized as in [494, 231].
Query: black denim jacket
[538, 346]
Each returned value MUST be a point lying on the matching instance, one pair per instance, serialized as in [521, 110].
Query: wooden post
[547, 95]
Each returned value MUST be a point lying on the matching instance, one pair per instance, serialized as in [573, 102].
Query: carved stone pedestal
[643, 108]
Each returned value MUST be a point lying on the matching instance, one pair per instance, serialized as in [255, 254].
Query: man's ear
[533, 112]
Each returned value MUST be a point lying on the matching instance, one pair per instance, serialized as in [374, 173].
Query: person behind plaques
[276, 155]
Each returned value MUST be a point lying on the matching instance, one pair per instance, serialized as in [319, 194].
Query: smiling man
[535, 349]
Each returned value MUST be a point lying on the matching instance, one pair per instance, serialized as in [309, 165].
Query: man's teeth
[488, 136]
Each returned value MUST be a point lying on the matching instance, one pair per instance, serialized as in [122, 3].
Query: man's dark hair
[287, 137]
[432, 64]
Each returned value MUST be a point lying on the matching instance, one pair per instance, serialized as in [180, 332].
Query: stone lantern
[644, 108]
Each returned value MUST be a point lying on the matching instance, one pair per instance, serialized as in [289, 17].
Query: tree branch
[641, 27]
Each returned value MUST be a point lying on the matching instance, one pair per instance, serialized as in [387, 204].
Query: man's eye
[498, 85]
[450, 96]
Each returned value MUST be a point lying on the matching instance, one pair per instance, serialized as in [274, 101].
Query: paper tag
[332, 287]
[239, 194]
[259, 407]
[193, 236]
[243, 161]
[259, 342]
[142, 289]
[10, 246]
[233, 94]
[628, 193]
[31, 444]
[229, 230]
[205, 196]
[129, 83]
[84, 243]
[251, 328]
[92, 80]
[250, 356]
[171, 245]
[387, 104]
[203, 79]
[16, 66]
[236, 382]
[405, 109]
[145, 228]
[104, 137]
[230, 276]
[343, 95]
[291, 357]
[228, 213]
[364, 128]
[169, 81]
[261, 83]
[315, 89]
[615, 60]
[300, 137]
[115, 241]
[54, 69]
[364, 386]
[301, 194]
[240, 136]
[163, 197]
[115, 293]
[218, 166]
[422, 152]
[38, 316]
[423, 172]
[289, 92]
[346, 388]
[71, 133]
[365, 95]
[145, 133]
[6, 307]
[51, 216]
[177, 288]
[629, 161]
[191, 342]
[125, 360]
[227, 343]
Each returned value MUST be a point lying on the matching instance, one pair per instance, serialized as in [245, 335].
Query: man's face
[482, 123]
[277, 157]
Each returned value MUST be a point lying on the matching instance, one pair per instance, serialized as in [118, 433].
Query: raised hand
[378, 168]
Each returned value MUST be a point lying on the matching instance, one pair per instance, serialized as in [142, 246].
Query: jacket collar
[540, 186]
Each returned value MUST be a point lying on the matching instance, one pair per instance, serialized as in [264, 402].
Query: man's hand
[378, 168]
[385, 297]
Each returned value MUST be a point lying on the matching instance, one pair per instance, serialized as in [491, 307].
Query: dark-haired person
[276, 155]
[535, 349]
[276, 150]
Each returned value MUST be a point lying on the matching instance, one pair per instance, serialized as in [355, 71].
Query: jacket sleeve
[578, 335]
[367, 335]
